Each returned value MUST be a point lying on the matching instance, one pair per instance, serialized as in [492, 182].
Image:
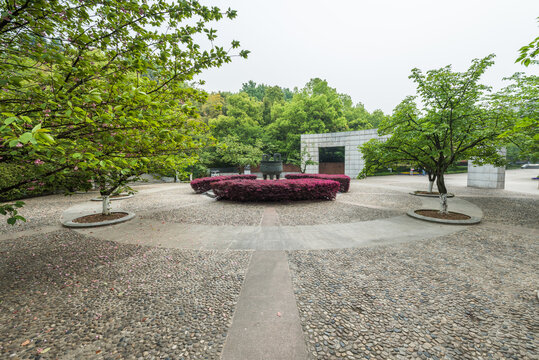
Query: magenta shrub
[275, 190]
[344, 180]
[201, 185]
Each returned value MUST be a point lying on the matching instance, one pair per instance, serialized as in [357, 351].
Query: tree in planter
[70, 71]
[456, 121]
[398, 149]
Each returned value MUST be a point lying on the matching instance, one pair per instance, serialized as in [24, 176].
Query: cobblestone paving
[512, 211]
[469, 295]
[212, 213]
[328, 212]
[71, 296]
[374, 197]
[43, 211]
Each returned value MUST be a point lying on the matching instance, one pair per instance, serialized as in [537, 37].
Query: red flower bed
[278, 190]
[201, 185]
[344, 180]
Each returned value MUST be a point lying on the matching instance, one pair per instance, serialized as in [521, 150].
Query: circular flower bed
[343, 180]
[91, 220]
[278, 190]
[201, 185]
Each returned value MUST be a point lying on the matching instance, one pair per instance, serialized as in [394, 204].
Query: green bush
[11, 174]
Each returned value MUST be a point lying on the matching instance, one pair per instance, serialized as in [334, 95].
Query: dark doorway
[331, 160]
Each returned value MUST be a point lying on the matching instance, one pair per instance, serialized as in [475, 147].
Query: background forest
[262, 119]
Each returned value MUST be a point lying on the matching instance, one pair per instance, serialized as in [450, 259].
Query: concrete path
[266, 323]
[269, 236]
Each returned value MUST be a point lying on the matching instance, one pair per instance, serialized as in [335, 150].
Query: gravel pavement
[328, 212]
[465, 296]
[70, 296]
[468, 295]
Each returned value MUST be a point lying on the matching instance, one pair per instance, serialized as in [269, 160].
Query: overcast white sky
[367, 48]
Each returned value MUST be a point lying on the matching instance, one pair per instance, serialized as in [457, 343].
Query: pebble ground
[469, 295]
[71, 296]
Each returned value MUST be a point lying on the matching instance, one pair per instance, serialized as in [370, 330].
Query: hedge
[344, 180]
[202, 185]
[11, 173]
[278, 190]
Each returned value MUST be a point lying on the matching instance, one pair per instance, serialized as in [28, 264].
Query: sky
[367, 48]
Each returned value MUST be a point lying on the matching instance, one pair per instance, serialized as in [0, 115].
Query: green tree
[521, 101]
[242, 119]
[455, 122]
[318, 108]
[234, 151]
[98, 86]
[303, 160]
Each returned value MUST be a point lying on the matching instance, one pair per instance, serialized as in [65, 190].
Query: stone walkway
[271, 236]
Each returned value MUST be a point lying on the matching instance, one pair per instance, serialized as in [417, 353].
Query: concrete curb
[71, 224]
[114, 199]
[472, 220]
[415, 193]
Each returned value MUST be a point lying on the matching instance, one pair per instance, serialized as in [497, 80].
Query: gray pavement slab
[266, 323]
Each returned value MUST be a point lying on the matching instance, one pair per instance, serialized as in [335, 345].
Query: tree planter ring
[72, 224]
[472, 220]
[121, 197]
[432, 195]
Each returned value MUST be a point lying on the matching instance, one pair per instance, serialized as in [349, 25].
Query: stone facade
[486, 176]
[353, 161]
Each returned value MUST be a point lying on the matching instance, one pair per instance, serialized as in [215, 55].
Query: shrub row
[344, 180]
[278, 190]
[201, 185]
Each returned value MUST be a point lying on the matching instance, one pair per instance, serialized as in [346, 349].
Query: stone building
[351, 162]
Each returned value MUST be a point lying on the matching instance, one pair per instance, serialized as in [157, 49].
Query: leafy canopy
[450, 119]
[100, 85]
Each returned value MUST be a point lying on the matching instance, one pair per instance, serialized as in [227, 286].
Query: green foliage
[10, 210]
[529, 52]
[302, 160]
[99, 88]
[16, 173]
[456, 121]
[520, 99]
[271, 114]
[238, 153]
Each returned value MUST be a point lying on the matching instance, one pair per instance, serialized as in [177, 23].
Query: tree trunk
[432, 178]
[106, 205]
[443, 192]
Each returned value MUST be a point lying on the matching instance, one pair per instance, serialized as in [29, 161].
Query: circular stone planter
[432, 195]
[72, 224]
[121, 197]
[472, 220]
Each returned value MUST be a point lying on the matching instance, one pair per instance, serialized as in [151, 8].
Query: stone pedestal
[486, 176]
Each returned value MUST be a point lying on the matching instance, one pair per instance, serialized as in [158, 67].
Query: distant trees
[272, 118]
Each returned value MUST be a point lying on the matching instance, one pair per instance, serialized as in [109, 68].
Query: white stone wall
[486, 176]
[353, 161]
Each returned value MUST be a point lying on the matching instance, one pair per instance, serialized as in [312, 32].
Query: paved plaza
[355, 278]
